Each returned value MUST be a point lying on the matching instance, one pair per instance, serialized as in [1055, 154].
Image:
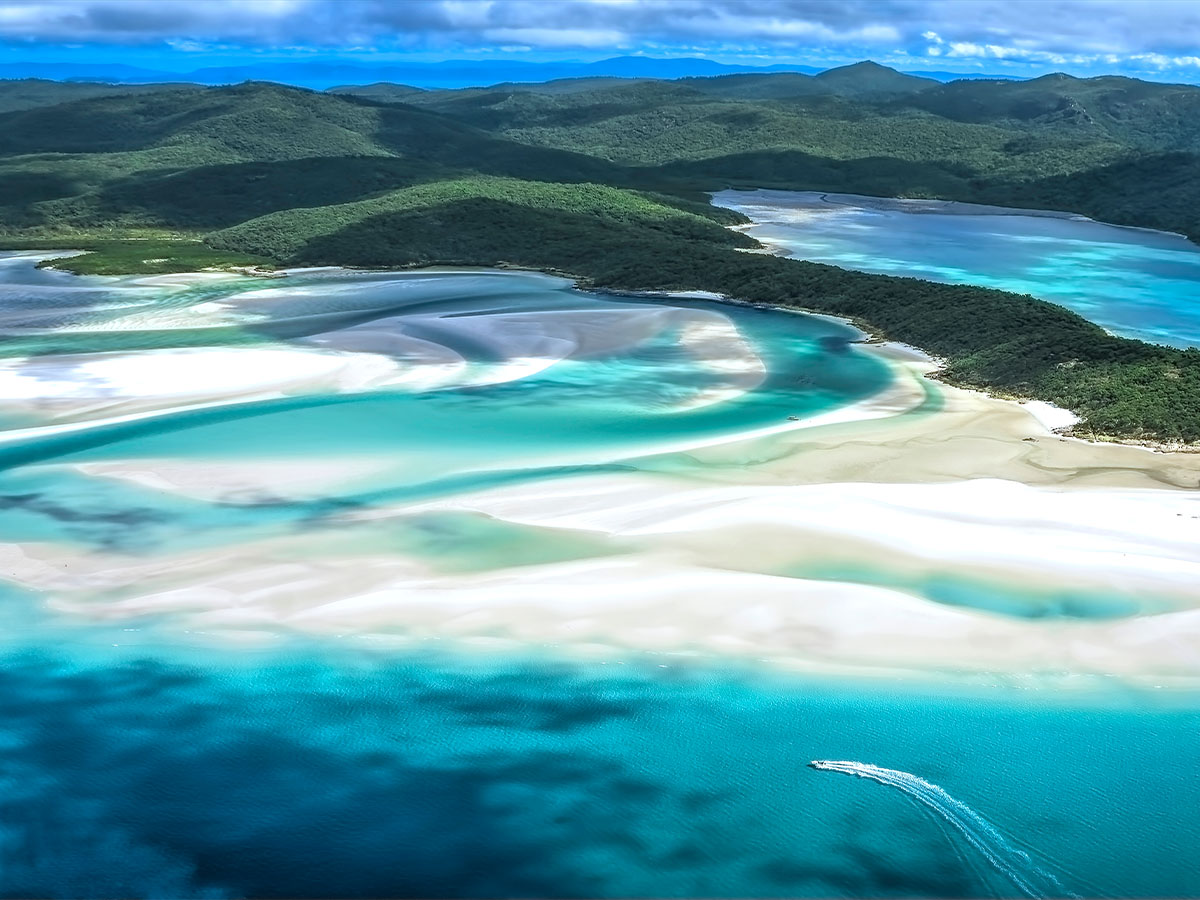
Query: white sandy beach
[718, 565]
[818, 544]
[674, 594]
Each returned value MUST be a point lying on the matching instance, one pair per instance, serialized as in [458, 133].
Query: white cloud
[1120, 34]
[557, 37]
[965, 48]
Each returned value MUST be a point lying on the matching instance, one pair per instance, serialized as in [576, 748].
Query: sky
[1159, 39]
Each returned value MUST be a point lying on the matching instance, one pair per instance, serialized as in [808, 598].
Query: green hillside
[193, 161]
[869, 79]
[1045, 143]
[244, 122]
[28, 93]
[1136, 113]
[380, 91]
[135, 160]
[478, 221]
[862, 80]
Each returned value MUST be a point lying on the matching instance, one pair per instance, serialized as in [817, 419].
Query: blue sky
[1149, 38]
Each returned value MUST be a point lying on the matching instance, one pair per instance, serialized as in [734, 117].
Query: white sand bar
[728, 564]
[892, 535]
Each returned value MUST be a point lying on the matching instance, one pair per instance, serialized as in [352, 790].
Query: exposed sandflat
[717, 565]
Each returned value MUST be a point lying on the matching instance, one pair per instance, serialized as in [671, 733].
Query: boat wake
[1015, 864]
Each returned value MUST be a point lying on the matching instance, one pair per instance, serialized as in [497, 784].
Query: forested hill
[1103, 147]
[1117, 149]
[606, 180]
[27, 93]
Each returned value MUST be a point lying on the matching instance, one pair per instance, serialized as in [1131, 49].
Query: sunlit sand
[831, 542]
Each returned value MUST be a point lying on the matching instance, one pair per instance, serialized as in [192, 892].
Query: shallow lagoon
[471, 379]
[1135, 282]
[171, 736]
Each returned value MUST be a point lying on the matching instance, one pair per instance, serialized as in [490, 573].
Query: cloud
[1150, 34]
[558, 37]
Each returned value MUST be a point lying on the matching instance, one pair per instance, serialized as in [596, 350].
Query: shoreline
[876, 334]
[871, 335]
[955, 208]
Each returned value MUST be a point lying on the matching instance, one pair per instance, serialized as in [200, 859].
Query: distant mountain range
[447, 74]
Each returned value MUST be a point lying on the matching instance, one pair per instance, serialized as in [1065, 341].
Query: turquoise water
[146, 757]
[1134, 282]
[589, 411]
[1029, 601]
[627, 400]
[151, 771]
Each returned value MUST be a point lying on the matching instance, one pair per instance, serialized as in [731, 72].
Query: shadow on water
[302, 773]
[143, 778]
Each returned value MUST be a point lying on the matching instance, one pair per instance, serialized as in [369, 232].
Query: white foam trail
[1015, 864]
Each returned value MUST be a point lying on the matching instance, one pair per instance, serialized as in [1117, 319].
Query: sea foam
[1013, 863]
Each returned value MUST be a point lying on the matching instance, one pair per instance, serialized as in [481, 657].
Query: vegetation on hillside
[140, 256]
[1053, 142]
[422, 224]
[27, 93]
